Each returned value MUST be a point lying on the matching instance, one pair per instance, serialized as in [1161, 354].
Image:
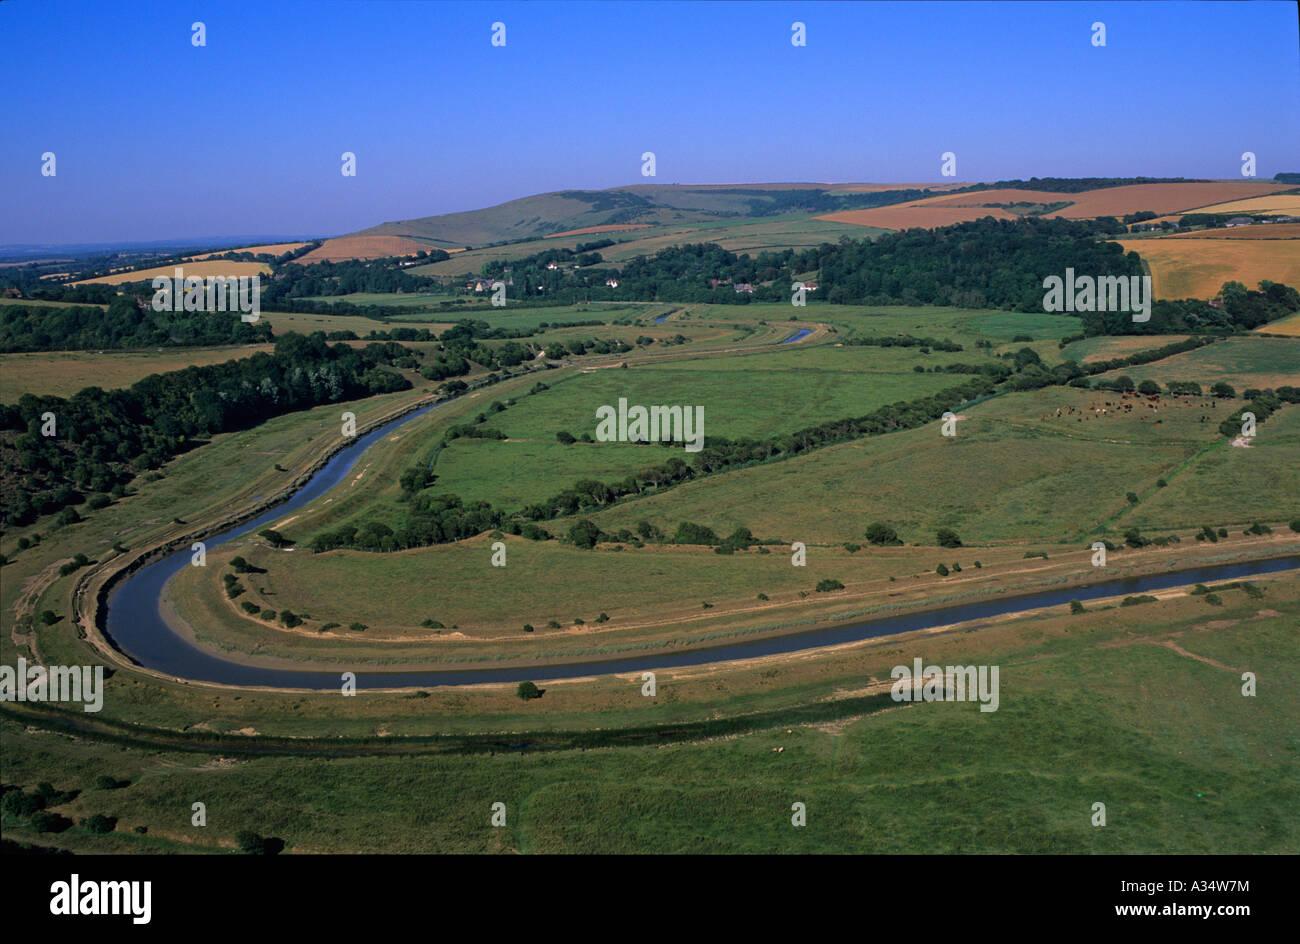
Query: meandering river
[136, 625]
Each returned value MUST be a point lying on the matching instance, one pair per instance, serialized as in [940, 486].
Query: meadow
[63, 373]
[1197, 268]
[1086, 700]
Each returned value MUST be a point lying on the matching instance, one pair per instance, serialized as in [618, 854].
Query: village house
[612, 283]
[745, 287]
[1240, 221]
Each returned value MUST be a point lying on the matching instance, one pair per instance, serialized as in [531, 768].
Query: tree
[1149, 388]
[99, 823]
[584, 533]
[1222, 389]
[947, 538]
[528, 691]
[941, 570]
[882, 534]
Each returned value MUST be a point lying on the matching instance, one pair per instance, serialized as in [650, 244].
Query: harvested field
[1197, 268]
[1160, 198]
[1255, 231]
[364, 247]
[211, 268]
[1280, 205]
[273, 249]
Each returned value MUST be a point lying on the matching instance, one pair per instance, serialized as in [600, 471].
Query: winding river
[135, 623]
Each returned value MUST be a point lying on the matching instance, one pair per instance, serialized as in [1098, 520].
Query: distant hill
[548, 214]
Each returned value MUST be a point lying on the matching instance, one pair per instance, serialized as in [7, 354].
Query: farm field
[366, 247]
[63, 373]
[1090, 350]
[1254, 231]
[1041, 477]
[1184, 267]
[273, 249]
[1282, 204]
[1243, 362]
[1163, 198]
[209, 268]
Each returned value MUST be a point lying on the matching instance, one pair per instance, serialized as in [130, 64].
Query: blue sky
[157, 139]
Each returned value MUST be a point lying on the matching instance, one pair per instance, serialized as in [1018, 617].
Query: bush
[105, 782]
[528, 691]
[289, 618]
[1222, 389]
[947, 538]
[49, 617]
[690, 533]
[585, 534]
[432, 624]
[762, 596]
[99, 823]
[565, 437]
[1149, 388]
[941, 570]
[1076, 607]
[274, 538]
[881, 534]
[1131, 498]
[357, 627]
[528, 627]
[828, 584]
[1213, 599]
[1161, 483]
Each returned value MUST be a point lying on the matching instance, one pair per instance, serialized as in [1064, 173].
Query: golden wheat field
[1197, 268]
[1282, 204]
[363, 247]
[210, 268]
[273, 249]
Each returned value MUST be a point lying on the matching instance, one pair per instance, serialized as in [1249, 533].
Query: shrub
[1076, 607]
[552, 624]
[1258, 528]
[882, 534]
[49, 617]
[240, 565]
[289, 618]
[584, 534]
[941, 570]
[852, 548]
[268, 615]
[528, 627]
[1149, 388]
[762, 596]
[1222, 389]
[1161, 483]
[690, 533]
[99, 823]
[527, 691]
[250, 607]
[357, 627]
[1131, 498]
[828, 584]
[1213, 599]
[274, 538]
[432, 624]
[947, 538]
[1135, 601]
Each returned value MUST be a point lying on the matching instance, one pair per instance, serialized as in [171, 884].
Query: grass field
[1085, 701]
[1105, 348]
[1242, 362]
[63, 373]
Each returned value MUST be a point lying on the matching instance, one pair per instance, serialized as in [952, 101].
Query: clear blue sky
[157, 139]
